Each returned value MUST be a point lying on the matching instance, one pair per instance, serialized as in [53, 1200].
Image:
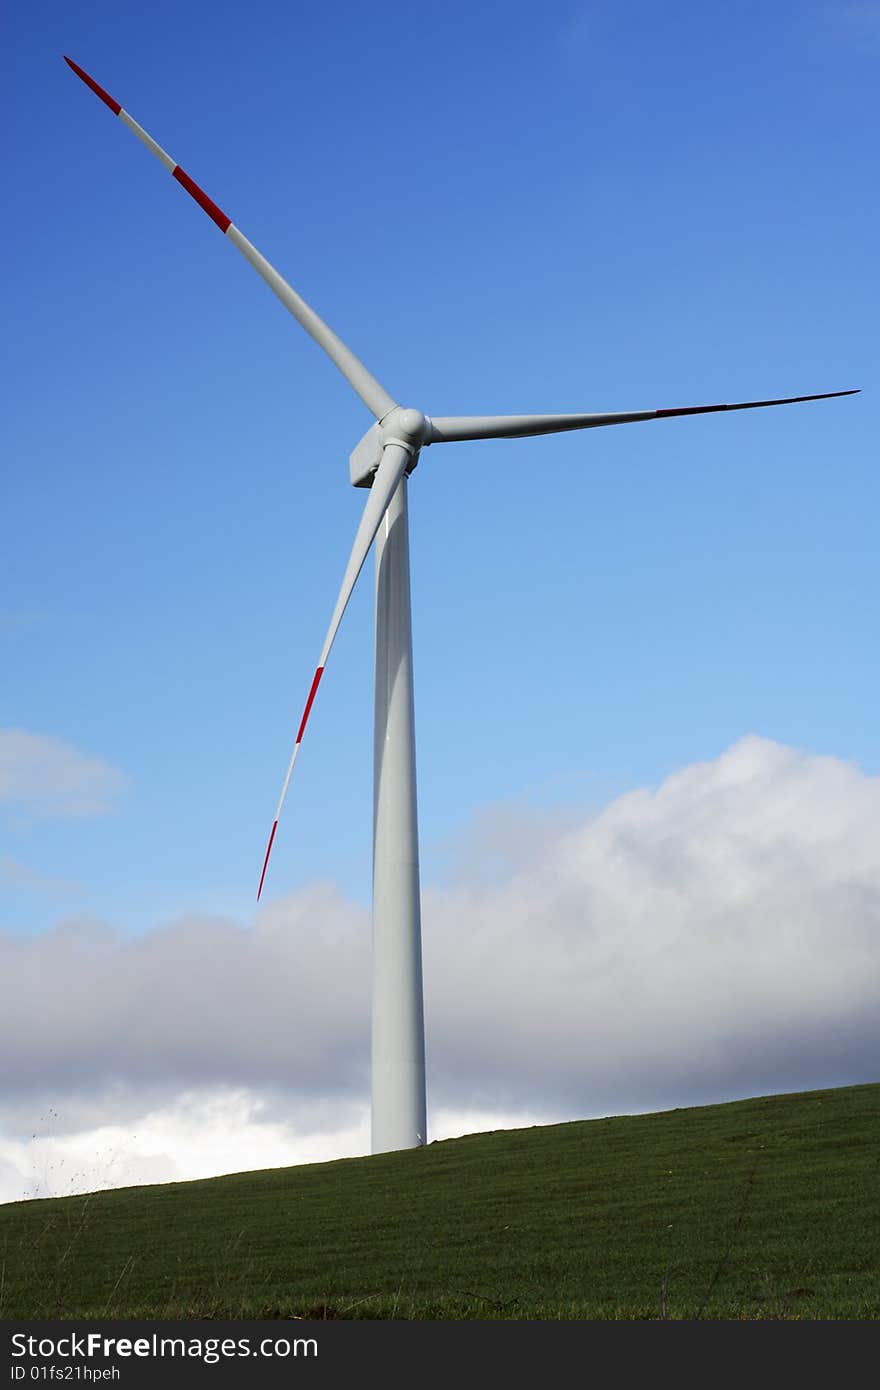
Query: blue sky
[501, 208]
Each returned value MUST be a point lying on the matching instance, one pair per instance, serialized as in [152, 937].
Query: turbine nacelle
[405, 426]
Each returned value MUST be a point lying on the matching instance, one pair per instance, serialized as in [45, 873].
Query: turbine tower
[382, 462]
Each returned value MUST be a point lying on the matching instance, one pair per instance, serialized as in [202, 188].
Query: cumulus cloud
[20, 876]
[715, 937]
[198, 1002]
[139, 1139]
[48, 777]
[712, 938]
[149, 1139]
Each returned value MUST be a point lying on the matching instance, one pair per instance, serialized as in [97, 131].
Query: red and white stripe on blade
[371, 392]
[388, 475]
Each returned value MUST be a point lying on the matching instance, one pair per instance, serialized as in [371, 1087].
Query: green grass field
[763, 1208]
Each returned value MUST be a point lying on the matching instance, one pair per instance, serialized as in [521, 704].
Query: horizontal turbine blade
[373, 395]
[392, 467]
[448, 428]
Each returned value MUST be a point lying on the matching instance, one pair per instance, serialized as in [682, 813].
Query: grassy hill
[764, 1208]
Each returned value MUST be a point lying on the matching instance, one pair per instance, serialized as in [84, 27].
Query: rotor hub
[410, 426]
[402, 425]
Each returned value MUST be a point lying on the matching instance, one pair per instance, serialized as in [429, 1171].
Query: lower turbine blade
[394, 463]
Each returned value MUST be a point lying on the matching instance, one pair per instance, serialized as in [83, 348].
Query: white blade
[373, 395]
[446, 428]
[388, 475]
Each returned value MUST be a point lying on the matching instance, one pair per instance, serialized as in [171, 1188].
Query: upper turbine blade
[392, 467]
[446, 428]
[371, 392]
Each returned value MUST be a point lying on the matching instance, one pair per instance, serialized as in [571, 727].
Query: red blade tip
[90, 82]
[266, 860]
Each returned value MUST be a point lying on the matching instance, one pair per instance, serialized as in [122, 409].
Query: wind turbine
[382, 461]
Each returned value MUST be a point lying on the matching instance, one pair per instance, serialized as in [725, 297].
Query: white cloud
[714, 938]
[48, 777]
[21, 877]
[195, 1134]
[200, 1002]
[198, 1134]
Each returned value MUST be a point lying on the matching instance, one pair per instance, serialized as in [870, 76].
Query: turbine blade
[447, 428]
[393, 465]
[371, 392]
